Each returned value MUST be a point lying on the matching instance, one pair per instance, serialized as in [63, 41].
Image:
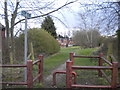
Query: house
[65, 42]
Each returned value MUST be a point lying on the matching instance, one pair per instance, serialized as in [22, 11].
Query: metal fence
[29, 66]
[70, 67]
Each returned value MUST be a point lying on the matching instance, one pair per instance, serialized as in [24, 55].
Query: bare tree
[109, 18]
[80, 38]
[112, 12]
[88, 22]
[12, 16]
[118, 34]
[0, 58]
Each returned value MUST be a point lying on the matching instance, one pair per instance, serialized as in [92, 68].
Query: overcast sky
[69, 16]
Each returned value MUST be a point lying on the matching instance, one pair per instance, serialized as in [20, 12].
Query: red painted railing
[63, 72]
[112, 66]
[29, 66]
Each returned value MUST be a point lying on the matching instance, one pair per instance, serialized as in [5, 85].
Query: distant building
[65, 42]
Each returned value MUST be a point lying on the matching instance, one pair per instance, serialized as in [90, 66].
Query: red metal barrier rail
[100, 56]
[63, 72]
[72, 56]
[105, 76]
[100, 60]
[83, 56]
[100, 63]
[91, 67]
[13, 66]
[13, 83]
[29, 67]
[70, 68]
[40, 68]
[112, 66]
[108, 62]
[91, 86]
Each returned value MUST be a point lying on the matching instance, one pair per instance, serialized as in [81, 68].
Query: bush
[109, 46]
[42, 41]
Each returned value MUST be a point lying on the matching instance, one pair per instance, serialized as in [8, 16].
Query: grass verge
[54, 61]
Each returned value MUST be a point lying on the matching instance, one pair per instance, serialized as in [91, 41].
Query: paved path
[49, 79]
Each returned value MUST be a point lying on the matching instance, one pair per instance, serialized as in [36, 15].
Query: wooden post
[100, 63]
[68, 74]
[32, 52]
[40, 67]
[29, 74]
[71, 57]
[114, 75]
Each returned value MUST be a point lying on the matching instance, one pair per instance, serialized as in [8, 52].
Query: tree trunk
[118, 36]
[0, 57]
[7, 34]
[14, 15]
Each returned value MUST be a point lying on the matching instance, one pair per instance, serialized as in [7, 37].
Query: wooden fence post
[29, 74]
[40, 67]
[68, 74]
[114, 75]
[71, 57]
[100, 63]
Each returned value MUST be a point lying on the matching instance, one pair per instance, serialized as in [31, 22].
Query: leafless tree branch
[47, 13]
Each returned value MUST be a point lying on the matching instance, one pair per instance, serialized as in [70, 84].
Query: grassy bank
[85, 61]
[54, 61]
[89, 77]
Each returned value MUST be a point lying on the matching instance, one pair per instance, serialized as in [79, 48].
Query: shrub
[109, 46]
[42, 41]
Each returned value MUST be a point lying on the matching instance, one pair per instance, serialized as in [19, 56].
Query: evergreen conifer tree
[49, 26]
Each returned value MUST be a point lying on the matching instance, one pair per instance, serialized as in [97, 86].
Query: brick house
[64, 42]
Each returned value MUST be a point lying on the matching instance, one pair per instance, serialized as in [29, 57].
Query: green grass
[83, 76]
[54, 61]
[88, 76]
[86, 61]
